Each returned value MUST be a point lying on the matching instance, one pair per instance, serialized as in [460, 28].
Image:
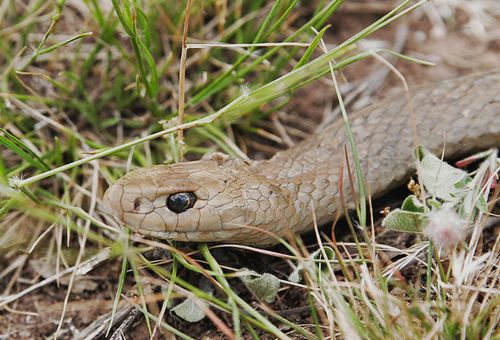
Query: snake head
[213, 199]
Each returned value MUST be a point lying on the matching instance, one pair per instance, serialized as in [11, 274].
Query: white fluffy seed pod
[445, 228]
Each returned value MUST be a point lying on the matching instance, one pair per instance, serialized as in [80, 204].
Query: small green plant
[450, 199]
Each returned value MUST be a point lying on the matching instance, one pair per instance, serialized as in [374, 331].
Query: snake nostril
[141, 205]
[137, 203]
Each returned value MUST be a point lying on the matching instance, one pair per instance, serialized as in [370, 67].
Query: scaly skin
[235, 199]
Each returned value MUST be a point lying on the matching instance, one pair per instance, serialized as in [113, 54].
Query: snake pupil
[181, 201]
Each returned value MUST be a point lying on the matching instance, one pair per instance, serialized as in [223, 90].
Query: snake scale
[224, 199]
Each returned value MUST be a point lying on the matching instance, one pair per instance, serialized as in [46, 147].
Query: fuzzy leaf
[189, 311]
[439, 178]
[463, 183]
[296, 275]
[263, 287]
[315, 259]
[411, 203]
[318, 255]
[434, 203]
[482, 204]
[402, 220]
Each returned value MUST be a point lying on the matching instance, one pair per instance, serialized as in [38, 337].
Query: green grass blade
[308, 53]
[262, 33]
[236, 72]
[64, 43]
[140, 291]
[127, 14]
[3, 173]
[13, 143]
[119, 289]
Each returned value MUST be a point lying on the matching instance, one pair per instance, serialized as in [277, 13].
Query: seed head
[444, 227]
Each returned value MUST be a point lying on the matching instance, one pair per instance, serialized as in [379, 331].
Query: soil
[454, 52]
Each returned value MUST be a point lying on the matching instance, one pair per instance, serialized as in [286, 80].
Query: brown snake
[225, 199]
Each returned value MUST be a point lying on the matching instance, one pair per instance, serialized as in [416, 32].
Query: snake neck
[458, 116]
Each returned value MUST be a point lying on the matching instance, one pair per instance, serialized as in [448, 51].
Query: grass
[90, 90]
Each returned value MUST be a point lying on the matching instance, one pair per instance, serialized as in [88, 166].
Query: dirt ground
[459, 46]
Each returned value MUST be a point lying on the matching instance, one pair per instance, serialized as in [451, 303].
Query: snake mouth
[192, 236]
[238, 233]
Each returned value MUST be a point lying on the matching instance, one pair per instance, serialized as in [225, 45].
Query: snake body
[244, 202]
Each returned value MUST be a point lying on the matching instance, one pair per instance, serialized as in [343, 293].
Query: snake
[225, 199]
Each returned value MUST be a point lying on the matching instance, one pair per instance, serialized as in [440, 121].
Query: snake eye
[181, 201]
